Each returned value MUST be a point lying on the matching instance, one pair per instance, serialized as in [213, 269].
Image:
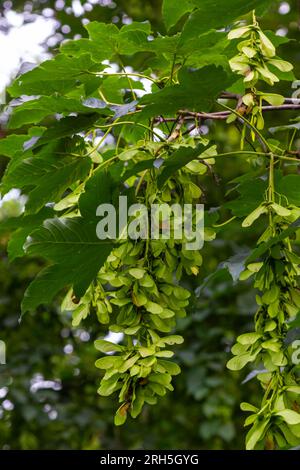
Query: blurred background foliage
[48, 388]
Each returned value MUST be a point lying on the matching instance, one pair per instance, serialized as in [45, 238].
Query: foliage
[61, 158]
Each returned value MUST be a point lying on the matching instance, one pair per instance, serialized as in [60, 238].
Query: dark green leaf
[251, 196]
[173, 10]
[23, 227]
[290, 187]
[77, 254]
[217, 13]
[50, 178]
[100, 34]
[128, 40]
[68, 126]
[137, 168]
[180, 158]
[60, 74]
[12, 144]
[32, 112]
[72, 245]
[206, 84]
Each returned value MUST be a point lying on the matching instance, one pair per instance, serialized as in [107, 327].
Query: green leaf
[238, 362]
[32, 112]
[270, 325]
[137, 273]
[128, 363]
[153, 307]
[66, 127]
[137, 168]
[207, 83]
[100, 189]
[99, 33]
[254, 215]
[248, 338]
[172, 339]
[109, 386]
[133, 38]
[162, 379]
[177, 160]
[130, 39]
[181, 293]
[49, 179]
[132, 330]
[58, 75]
[265, 246]
[251, 195]
[256, 433]
[167, 313]
[271, 295]
[289, 436]
[267, 47]
[248, 407]
[293, 389]
[295, 429]
[280, 210]
[289, 186]
[77, 254]
[281, 65]
[25, 225]
[108, 362]
[214, 14]
[128, 154]
[157, 388]
[273, 99]
[255, 267]
[277, 40]
[72, 245]
[238, 32]
[173, 10]
[146, 352]
[170, 367]
[289, 416]
[12, 144]
[120, 416]
[165, 353]
[137, 404]
[213, 47]
[106, 346]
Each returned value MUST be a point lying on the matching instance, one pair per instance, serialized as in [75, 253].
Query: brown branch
[176, 132]
[282, 107]
[294, 152]
[220, 115]
[230, 96]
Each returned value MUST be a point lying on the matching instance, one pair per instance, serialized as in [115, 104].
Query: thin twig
[294, 152]
[176, 132]
[221, 115]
